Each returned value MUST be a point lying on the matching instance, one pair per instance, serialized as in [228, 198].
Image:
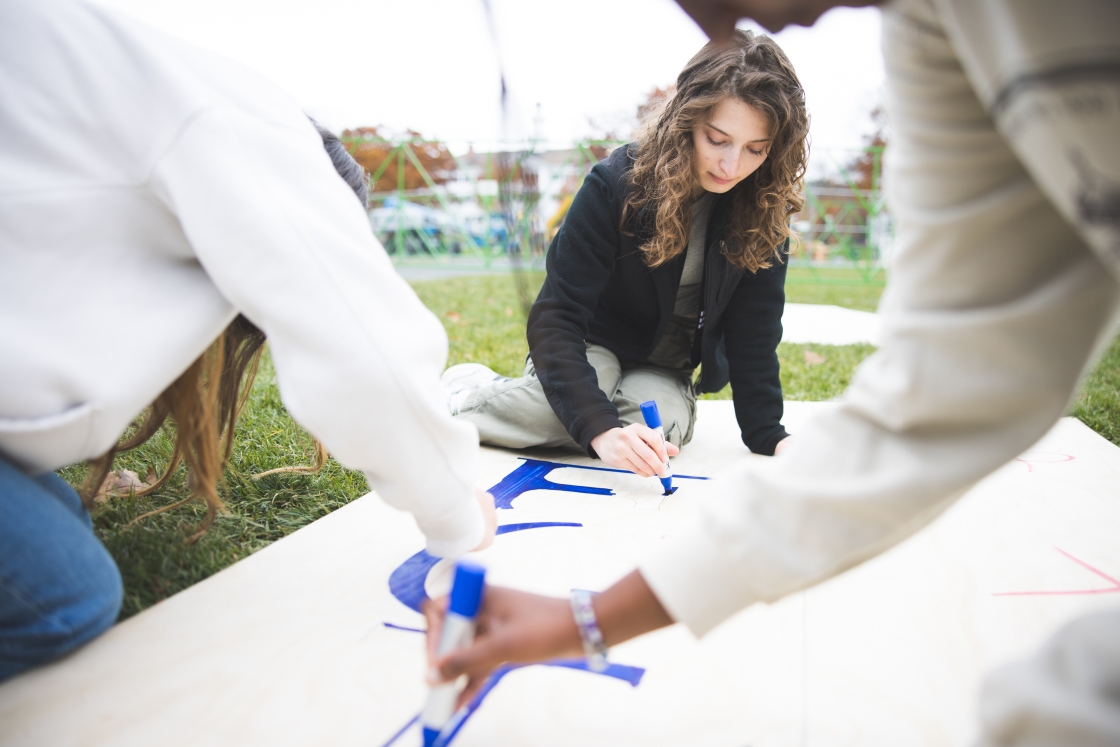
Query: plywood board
[295, 645]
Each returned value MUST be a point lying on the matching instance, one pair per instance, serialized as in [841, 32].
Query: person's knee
[65, 494]
[675, 402]
[78, 606]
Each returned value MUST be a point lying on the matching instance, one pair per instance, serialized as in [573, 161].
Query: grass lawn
[485, 321]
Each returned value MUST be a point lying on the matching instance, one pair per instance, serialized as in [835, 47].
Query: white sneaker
[459, 381]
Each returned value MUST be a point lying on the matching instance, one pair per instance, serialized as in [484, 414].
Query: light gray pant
[516, 414]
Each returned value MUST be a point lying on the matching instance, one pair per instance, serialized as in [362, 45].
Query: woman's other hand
[489, 518]
[782, 445]
[718, 17]
[636, 448]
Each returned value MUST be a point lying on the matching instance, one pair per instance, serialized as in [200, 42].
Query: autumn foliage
[375, 151]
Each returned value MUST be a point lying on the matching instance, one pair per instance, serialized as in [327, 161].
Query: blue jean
[59, 587]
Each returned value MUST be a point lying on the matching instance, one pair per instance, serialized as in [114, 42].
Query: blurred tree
[655, 99]
[864, 170]
[371, 146]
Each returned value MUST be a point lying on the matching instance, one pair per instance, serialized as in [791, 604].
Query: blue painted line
[403, 729]
[610, 469]
[404, 627]
[507, 528]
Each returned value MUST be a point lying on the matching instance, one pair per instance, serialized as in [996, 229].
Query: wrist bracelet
[593, 646]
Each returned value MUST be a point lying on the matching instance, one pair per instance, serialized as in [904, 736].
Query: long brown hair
[750, 68]
[204, 403]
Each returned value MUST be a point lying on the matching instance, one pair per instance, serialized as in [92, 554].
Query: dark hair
[349, 169]
[750, 68]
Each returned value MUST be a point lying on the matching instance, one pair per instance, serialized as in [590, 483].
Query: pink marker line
[1031, 462]
[1115, 588]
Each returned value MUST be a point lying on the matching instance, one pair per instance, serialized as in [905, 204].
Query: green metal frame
[843, 216]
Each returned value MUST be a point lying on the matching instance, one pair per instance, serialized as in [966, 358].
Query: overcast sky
[430, 65]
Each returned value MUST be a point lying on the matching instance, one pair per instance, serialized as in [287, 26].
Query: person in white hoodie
[152, 193]
[1004, 181]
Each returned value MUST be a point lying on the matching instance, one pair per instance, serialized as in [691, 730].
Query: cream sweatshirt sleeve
[357, 356]
[995, 305]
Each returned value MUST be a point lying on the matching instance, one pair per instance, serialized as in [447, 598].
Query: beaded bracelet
[593, 646]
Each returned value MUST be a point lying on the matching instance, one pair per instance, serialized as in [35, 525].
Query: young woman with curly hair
[672, 256]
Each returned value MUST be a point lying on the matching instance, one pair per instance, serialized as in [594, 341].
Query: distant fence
[500, 209]
[845, 222]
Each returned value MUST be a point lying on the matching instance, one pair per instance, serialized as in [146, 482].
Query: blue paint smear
[533, 475]
[406, 582]
[623, 672]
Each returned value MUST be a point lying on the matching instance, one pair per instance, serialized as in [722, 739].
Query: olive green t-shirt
[674, 349]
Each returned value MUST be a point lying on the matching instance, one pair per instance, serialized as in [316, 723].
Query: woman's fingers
[478, 660]
[648, 447]
[434, 610]
[474, 684]
[636, 448]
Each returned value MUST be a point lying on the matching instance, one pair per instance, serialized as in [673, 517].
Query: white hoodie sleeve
[357, 356]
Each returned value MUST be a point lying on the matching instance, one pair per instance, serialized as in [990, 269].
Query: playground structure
[498, 210]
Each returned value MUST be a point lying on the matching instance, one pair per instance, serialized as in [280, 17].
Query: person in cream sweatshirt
[149, 193]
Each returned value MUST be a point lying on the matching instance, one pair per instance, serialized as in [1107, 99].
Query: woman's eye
[754, 152]
[713, 142]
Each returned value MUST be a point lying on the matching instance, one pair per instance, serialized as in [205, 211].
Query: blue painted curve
[406, 582]
[623, 672]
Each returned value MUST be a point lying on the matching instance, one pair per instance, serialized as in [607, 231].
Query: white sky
[430, 65]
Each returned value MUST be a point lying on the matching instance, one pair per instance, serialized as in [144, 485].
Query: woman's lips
[719, 181]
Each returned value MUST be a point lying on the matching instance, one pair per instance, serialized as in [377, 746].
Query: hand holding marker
[458, 632]
[653, 420]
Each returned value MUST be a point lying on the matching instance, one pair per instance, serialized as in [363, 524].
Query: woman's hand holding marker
[512, 626]
[636, 448]
[516, 627]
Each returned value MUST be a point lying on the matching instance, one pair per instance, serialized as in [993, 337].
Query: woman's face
[730, 145]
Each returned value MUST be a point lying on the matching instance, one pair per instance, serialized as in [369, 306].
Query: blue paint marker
[653, 420]
[458, 632]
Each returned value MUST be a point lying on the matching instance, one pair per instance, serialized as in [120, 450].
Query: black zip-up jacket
[599, 289]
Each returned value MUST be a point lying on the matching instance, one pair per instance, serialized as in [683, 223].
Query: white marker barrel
[458, 632]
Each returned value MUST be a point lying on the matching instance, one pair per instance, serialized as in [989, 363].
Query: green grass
[484, 317]
[837, 286]
[1098, 403]
[152, 555]
[809, 378]
[485, 322]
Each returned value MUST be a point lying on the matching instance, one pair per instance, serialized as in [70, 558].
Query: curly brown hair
[753, 69]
